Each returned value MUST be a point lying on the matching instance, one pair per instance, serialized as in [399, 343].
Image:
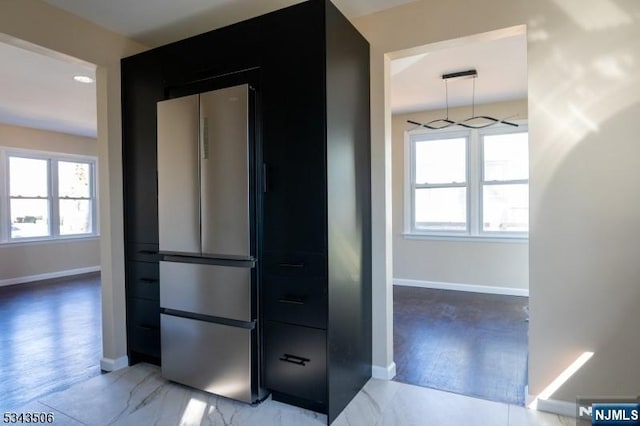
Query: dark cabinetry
[143, 302]
[141, 88]
[296, 363]
[311, 68]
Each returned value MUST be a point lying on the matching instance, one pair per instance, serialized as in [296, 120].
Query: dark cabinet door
[141, 89]
[294, 133]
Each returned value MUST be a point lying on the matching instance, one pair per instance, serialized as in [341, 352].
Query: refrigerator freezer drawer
[213, 357]
[218, 291]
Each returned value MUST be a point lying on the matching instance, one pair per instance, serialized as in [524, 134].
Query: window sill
[467, 238]
[27, 242]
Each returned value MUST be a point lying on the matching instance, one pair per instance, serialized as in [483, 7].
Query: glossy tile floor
[139, 396]
[50, 337]
[468, 343]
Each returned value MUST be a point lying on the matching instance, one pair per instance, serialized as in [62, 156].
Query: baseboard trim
[383, 373]
[554, 406]
[49, 275]
[110, 364]
[474, 288]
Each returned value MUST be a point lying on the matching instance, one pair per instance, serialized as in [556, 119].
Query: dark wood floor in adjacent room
[50, 337]
[468, 343]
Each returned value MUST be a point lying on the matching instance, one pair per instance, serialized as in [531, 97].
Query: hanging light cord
[446, 96]
[473, 98]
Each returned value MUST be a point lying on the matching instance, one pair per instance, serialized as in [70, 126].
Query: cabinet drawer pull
[291, 265]
[149, 280]
[294, 359]
[146, 327]
[292, 301]
[147, 252]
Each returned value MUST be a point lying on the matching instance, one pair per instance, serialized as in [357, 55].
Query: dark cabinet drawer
[143, 280]
[295, 361]
[143, 252]
[144, 313]
[145, 340]
[301, 301]
[295, 264]
[144, 326]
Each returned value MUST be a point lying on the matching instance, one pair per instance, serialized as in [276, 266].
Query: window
[505, 182]
[49, 196]
[470, 183]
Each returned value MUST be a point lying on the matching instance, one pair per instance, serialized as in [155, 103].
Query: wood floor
[50, 337]
[468, 343]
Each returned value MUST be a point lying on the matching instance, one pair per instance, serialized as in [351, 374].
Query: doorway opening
[50, 328]
[461, 215]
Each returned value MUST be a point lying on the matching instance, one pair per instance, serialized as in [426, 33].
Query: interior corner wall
[41, 24]
[32, 261]
[501, 264]
[584, 238]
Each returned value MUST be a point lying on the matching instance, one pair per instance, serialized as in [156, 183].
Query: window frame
[53, 198]
[413, 186]
[501, 130]
[474, 184]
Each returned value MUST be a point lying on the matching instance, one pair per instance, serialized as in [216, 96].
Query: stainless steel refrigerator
[207, 273]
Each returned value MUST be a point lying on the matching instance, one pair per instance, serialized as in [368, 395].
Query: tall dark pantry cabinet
[309, 69]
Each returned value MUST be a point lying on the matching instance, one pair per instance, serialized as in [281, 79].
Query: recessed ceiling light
[83, 79]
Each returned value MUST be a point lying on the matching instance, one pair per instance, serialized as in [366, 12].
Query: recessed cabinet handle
[146, 327]
[147, 252]
[292, 301]
[294, 359]
[291, 265]
[149, 280]
[265, 186]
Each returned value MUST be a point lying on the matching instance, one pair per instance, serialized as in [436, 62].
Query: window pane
[441, 209]
[75, 217]
[28, 177]
[505, 208]
[441, 161]
[29, 218]
[74, 179]
[506, 157]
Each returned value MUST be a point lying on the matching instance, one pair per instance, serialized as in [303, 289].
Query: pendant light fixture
[474, 121]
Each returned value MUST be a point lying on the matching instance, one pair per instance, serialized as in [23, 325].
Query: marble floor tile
[522, 416]
[138, 395]
[413, 405]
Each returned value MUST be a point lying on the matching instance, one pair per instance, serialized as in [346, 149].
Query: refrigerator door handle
[204, 139]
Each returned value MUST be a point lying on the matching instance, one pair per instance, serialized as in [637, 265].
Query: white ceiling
[157, 22]
[417, 84]
[37, 90]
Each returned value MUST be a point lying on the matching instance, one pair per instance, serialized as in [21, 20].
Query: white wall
[492, 264]
[42, 140]
[37, 22]
[584, 104]
[24, 261]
